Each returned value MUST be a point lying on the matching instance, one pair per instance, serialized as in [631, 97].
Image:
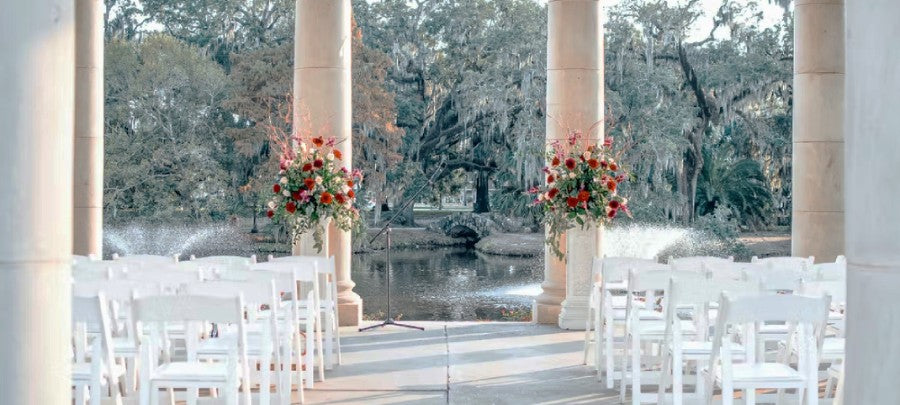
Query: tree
[164, 141]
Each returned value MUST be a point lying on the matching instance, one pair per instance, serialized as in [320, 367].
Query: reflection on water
[446, 284]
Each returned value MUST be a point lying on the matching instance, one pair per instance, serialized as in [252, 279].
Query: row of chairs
[233, 316]
[696, 288]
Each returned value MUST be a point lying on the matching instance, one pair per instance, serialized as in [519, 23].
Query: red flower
[614, 204]
[338, 155]
[349, 183]
[276, 188]
[351, 194]
[550, 179]
[270, 213]
[326, 198]
[611, 185]
[340, 198]
[584, 195]
[290, 207]
[611, 213]
[295, 195]
[603, 164]
[555, 162]
[307, 167]
[593, 163]
[309, 183]
[552, 193]
[613, 167]
[318, 163]
[570, 164]
[572, 202]
[318, 142]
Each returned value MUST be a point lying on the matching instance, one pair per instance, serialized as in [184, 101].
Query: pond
[448, 284]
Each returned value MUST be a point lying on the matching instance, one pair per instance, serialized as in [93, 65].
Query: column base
[350, 314]
[547, 314]
[574, 313]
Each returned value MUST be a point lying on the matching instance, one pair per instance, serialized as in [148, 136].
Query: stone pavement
[461, 363]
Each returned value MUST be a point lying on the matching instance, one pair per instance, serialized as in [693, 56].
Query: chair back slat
[773, 308]
[616, 268]
[695, 263]
[187, 308]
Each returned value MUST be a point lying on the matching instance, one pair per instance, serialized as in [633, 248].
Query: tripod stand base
[390, 322]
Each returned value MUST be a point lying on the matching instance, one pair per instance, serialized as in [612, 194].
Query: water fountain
[171, 239]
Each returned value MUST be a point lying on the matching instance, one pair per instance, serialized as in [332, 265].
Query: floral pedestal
[582, 245]
[304, 243]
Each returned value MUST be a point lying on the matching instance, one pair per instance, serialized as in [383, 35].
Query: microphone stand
[389, 319]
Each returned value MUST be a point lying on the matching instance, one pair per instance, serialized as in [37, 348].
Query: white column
[36, 101]
[818, 155]
[574, 101]
[88, 174]
[873, 191]
[322, 102]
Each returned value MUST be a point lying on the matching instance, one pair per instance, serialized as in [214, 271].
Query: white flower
[283, 180]
[330, 156]
[571, 175]
[286, 193]
[303, 146]
[271, 205]
[586, 155]
[345, 189]
[318, 179]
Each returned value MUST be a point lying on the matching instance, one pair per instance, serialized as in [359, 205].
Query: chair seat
[653, 329]
[192, 372]
[833, 348]
[124, 347]
[81, 372]
[697, 348]
[225, 344]
[776, 329]
[762, 373]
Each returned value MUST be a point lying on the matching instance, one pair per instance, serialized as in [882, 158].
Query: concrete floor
[461, 363]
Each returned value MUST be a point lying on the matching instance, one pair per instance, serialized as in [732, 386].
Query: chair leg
[727, 393]
[609, 353]
[265, 381]
[750, 395]
[635, 370]
[587, 330]
[329, 340]
[829, 387]
[677, 379]
[310, 357]
[598, 343]
[623, 382]
[321, 354]
[80, 395]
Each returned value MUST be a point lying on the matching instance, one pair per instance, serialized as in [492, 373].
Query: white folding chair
[191, 374]
[169, 279]
[804, 314]
[306, 284]
[612, 303]
[99, 270]
[695, 263]
[836, 270]
[593, 323]
[325, 267]
[792, 263]
[643, 332]
[101, 374]
[119, 294]
[832, 346]
[214, 266]
[730, 270]
[694, 298]
[150, 260]
[262, 334]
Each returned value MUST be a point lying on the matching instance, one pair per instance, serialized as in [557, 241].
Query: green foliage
[739, 185]
[164, 131]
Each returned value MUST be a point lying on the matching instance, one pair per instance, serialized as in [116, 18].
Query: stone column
[322, 104]
[818, 156]
[574, 101]
[88, 169]
[37, 41]
[872, 127]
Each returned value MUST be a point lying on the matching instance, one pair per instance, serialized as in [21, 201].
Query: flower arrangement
[581, 187]
[313, 187]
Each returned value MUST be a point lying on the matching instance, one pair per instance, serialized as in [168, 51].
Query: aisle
[462, 363]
